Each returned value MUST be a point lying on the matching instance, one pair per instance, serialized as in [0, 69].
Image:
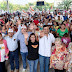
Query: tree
[65, 4]
[15, 7]
[46, 6]
[12, 7]
[3, 6]
[30, 4]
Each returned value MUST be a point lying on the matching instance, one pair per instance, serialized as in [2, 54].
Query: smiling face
[23, 30]
[57, 43]
[10, 34]
[46, 30]
[63, 26]
[59, 18]
[32, 38]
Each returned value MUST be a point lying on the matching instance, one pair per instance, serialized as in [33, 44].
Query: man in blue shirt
[23, 47]
[65, 17]
[49, 16]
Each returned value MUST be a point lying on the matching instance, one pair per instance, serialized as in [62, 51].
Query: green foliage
[30, 4]
[46, 6]
[3, 5]
[15, 7]
[65, 4]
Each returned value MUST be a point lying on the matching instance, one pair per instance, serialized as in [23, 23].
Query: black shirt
[6, 20]
[33, 50]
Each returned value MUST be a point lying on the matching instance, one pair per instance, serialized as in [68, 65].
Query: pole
[45, 5]
[7, 6]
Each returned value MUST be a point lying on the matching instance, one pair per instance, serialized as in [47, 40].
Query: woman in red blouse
[58, 56]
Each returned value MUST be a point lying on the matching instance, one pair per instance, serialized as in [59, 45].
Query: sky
[23, 2]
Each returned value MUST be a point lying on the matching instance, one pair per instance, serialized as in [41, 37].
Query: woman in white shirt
[3, 53]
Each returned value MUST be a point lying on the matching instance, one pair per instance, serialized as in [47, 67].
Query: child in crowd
[52, 29]
[55, 25]
[66, 39]
[40, 26]
[50, 22]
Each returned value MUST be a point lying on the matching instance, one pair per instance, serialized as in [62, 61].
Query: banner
[24, 13]
[31, 11]
[37, 11]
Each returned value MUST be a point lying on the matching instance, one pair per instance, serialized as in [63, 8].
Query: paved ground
[21, 66]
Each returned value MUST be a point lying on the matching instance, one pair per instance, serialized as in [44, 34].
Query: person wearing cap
[13, 47]
[23, 47]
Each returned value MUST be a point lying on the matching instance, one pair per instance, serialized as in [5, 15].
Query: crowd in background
[43, 37]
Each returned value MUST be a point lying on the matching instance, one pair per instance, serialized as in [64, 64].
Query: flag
[31, 11]
[24, 13]
[48, 11]
[37, 11]
[43, 10]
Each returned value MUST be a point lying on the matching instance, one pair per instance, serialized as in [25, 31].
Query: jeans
[14, 56]
[33, 65]
[44, 63]
[24, 55]
[71, 37]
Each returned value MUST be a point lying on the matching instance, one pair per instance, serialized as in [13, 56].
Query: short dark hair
[58, 16]
[49, 19]
[45, 26]
[63, 24]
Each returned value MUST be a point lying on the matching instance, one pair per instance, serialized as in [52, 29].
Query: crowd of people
[44, 37]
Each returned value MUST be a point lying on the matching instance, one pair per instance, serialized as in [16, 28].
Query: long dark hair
[1, 34]
[31, 35]
[64, 25]
[66, 35]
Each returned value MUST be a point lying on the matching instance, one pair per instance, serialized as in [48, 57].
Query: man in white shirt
[13, 47]
[45, 43]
